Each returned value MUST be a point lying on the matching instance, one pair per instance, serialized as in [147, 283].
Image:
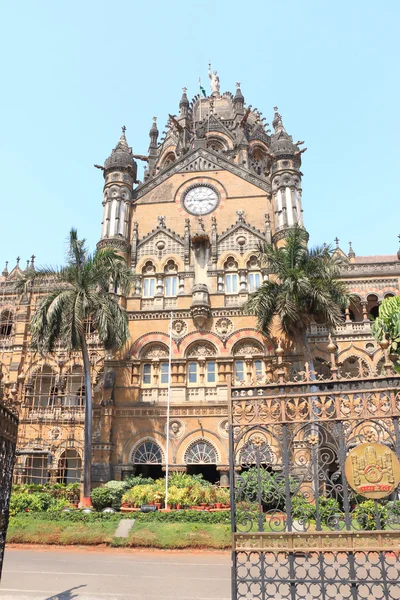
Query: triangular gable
[214, 124]
[227, 240]
[201, 159]
[174, 244]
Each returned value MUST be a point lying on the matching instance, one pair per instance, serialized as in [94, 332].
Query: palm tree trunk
[87, 455]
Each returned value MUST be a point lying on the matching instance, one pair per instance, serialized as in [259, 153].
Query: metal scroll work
[314, 489]
[8, 440]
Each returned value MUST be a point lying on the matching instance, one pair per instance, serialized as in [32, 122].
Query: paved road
[108, 574]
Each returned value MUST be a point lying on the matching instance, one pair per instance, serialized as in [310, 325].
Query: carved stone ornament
[372, 470]
[224, 326]
[156, 351]
[248, 348]
[179, 328]
[55, 433]
[200, 350]
[176, 429]
[223, 428]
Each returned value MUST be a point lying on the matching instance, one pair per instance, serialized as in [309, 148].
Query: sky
[74, 72]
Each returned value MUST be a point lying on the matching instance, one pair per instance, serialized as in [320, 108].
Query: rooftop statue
[214, 81]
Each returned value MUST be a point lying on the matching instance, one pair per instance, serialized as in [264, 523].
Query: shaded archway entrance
[201, 459]
[147, 459]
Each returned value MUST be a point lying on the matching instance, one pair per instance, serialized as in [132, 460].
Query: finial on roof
[33, 261]
[5, 270]
[18, 259]
[27, 264]
[122, 143]
[336, 240]
[351, 254]
[239, 98]
[277, 123]
[184, 103]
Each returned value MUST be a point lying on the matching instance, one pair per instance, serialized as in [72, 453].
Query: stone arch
[201, 451]
[168, 159]
[6, 323]
[354, 365]
[135, 439]
[148, 338]
[228, 254]
[172, 258]
[248, 347]
[200, 336]
[251, 334]
[220, 137]
[190, 437]
[154, 350]
[202, 349]
[147, 451]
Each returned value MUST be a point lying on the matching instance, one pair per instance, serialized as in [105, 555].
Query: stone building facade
[218, 184]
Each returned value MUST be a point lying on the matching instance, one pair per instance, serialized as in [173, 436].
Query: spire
[122, 143]
[5, 270]
[238, 100]
[184, 103]
[153, 133]
[277, 123]
[351, 253]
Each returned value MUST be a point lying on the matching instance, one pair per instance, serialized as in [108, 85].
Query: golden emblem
[372, 470]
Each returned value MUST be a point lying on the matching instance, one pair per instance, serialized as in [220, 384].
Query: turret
[120, 171]
[153, 134]
[184, 105]
[238, 100]
[285, 179]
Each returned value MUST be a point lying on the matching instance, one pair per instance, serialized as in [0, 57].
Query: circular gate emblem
[372, 470]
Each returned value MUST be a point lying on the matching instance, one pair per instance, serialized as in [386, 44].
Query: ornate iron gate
[8, 440]
[300, 531]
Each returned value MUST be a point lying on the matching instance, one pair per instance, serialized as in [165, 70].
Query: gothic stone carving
[179, 328]
[224, 326]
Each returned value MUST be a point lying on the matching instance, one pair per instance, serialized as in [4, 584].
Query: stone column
[223, 475]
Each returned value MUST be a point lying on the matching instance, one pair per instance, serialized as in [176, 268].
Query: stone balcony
[350, 328]
[53, 413]
[182, 394]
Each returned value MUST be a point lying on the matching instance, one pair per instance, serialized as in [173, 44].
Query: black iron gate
[8, 440]
[300, 530]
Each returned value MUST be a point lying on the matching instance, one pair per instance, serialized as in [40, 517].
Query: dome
[121, 156]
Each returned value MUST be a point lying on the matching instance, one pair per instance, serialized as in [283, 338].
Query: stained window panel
[192, 372]
[149, 286]
[254, 280]
[239, 370]
[147, 373]
[164, 376]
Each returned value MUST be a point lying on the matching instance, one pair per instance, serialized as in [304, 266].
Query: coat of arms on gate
[372, 470]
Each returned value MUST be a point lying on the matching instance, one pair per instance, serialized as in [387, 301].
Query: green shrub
[365, 515]
[101, 498]
[302, 508]
[329, 510]
[137, 480]
[35, 502]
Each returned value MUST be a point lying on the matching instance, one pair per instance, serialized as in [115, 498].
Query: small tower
[153, 153]
[120, 171]
[285, 179]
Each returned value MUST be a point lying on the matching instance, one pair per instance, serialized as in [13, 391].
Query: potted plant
[158, 496]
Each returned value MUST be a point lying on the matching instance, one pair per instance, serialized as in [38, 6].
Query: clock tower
[218, 185]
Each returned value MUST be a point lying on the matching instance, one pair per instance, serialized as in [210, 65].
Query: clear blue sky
[74, 72]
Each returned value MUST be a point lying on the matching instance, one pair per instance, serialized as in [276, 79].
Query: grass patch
[36, 529]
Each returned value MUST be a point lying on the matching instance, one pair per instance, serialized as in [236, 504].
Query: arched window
[254, 278]
[231, 276]
[170, 279]
[372, 307]
[216, 144]
[155, 366]
[201, 452]
[6, 323]
[355, 366]
[147, 453]
[45, 390]
[249, 363]
[149, 280]
[201, 366]
[168, 160]
[69, 467]
[75, 387]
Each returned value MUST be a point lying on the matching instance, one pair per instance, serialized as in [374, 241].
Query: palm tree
[303, 287]
[80, 294]
[386, 327]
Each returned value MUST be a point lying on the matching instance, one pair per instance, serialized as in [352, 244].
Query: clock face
[200, 200]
